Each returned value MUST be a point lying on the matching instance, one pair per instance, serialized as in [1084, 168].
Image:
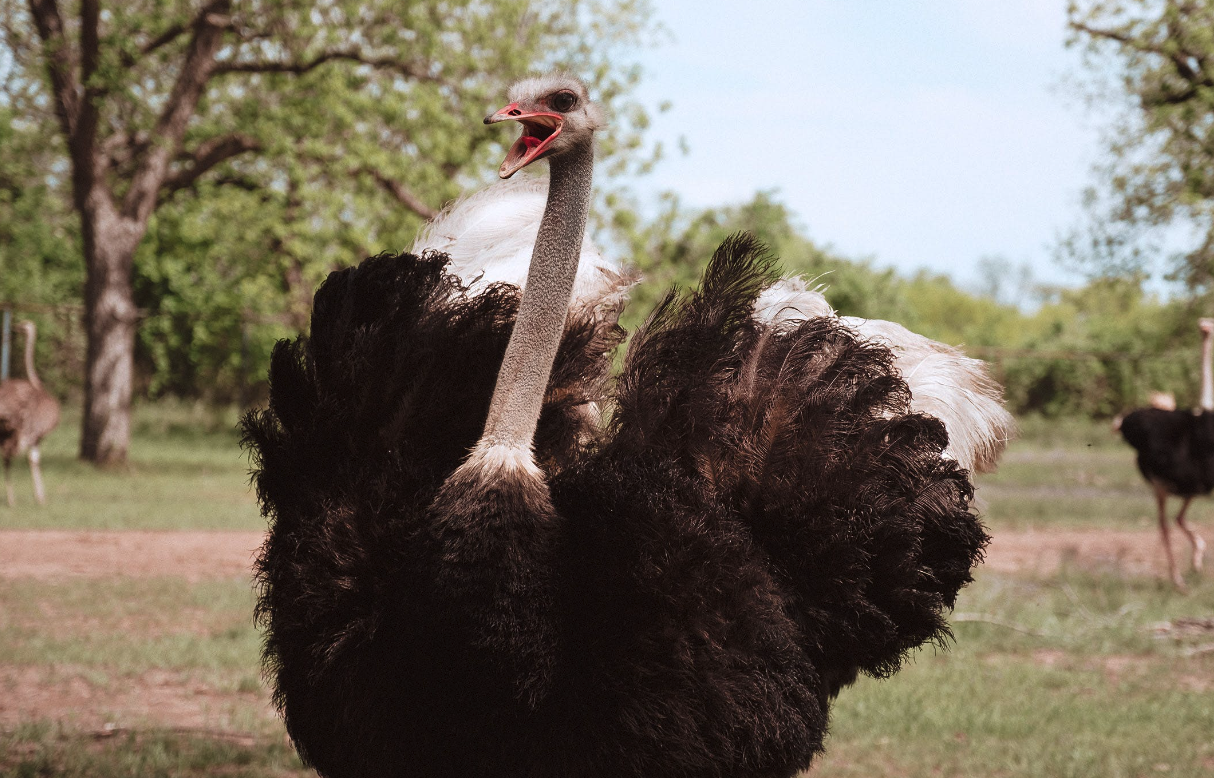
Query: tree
[1158, 54]
[341, 116]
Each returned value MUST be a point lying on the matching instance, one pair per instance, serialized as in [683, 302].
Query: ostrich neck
[31, 375]
[1207, 372]
[515, 409]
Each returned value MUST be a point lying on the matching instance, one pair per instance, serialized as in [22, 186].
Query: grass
[1068, 674]
[186, 471]
[1071, 473]
[44, 749]
[131, 626]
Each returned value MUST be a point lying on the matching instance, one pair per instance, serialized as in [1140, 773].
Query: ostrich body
[1176, 454]
[27, 414]
[467, 574]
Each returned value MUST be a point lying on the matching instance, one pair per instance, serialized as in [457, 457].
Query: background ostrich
[27, 413]
[1176, 454]
[678, 592]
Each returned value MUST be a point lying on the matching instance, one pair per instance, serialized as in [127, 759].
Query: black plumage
[1175, 448]
[680, 594]
[1176, 455]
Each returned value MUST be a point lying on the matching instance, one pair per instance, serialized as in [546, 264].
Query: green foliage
[356, 120]
[1157, 58]
[1102, 349]
[1093, 351]
[39, 246]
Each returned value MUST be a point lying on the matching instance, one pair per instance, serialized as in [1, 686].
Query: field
[127, 646]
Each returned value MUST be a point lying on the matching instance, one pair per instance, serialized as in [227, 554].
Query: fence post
[6, 347]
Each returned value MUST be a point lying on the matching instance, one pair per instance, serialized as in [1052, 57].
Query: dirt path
[1041, 552]
[84, 699]
[53, 554]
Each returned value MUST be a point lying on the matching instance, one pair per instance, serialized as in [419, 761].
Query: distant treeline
[208, 322]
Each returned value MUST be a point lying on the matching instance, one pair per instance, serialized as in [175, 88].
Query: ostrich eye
[563, 101]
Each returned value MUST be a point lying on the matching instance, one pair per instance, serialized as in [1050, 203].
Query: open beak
[540, 128]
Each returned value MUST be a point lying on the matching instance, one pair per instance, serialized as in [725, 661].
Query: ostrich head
[1207, 326]
[27, 327]
[556, 114]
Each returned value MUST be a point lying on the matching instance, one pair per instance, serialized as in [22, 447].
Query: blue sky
[923, 134]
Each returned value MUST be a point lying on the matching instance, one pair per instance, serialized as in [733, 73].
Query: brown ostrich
[27, 413]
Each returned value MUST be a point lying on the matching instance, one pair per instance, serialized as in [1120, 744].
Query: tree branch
[209, 153]
[196, 69]
[163, 39]
[90, 42]
[402, 194]
[59, 63]
[409, 69]
[1180, 58]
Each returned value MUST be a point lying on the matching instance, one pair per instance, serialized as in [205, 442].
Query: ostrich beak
[540, 128]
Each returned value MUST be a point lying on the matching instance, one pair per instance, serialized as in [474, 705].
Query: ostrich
[469, 574]
[27, 414]
[1176, 454]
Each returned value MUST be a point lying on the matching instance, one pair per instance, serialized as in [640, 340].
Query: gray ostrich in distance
[1176, 454]
[469, 574]
[27, 414]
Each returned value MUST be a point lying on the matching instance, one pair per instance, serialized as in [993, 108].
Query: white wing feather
[943, 382]
[490, 235]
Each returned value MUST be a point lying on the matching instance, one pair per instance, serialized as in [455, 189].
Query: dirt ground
[55, 554]
[91, 702]
[195, 556]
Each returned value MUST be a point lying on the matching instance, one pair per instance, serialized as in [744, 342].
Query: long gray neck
[1207, 371]
[31, 375]
[514, 411]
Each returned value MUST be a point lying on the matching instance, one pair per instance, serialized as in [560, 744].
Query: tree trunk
[110, 318]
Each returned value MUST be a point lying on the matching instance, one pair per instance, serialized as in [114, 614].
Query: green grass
[1059, 677]
[1071, 473]
[186, 471]
[124, 627]
[41, 749]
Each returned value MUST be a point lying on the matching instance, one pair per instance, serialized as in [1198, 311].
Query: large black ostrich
[468, 575]
[1176, 454]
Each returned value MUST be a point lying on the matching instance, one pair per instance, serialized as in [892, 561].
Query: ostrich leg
[1198, 543]
[1161, 499]
[36, 472]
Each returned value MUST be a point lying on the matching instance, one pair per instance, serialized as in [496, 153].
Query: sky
[920, 134]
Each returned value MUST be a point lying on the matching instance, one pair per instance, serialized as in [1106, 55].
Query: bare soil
[82, 699]
[54, 554]
[1042, 552]
[195, 556]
